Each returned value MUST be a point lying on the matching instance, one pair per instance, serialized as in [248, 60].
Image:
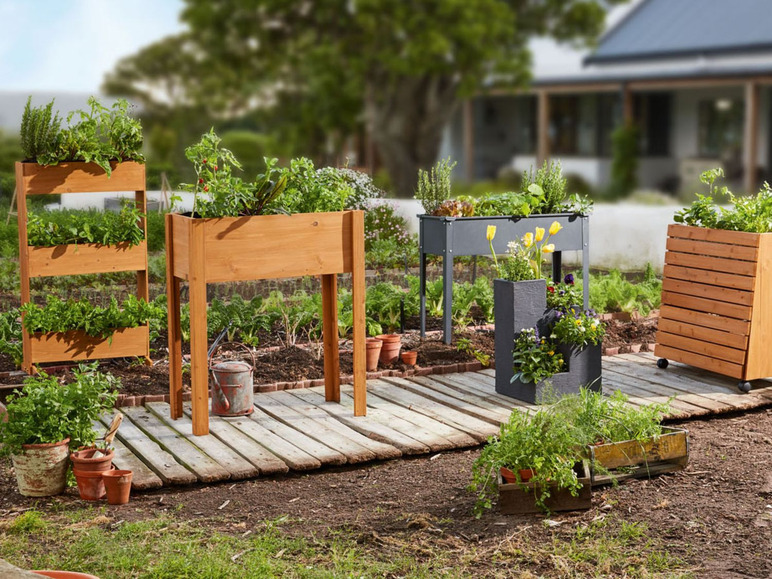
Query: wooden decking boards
[296, 430]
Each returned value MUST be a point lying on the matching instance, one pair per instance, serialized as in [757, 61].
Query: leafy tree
[399, 67]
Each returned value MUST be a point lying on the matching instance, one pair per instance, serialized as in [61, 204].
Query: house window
[721, 128]
[652, 114]
[525, 125]
[576, 125]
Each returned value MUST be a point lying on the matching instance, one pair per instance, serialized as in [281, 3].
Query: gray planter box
[457, 236]
[523, 304]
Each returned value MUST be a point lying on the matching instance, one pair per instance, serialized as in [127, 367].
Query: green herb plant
[47, 411]
[107, 228]
[433, 187]
[40, 130]
[465, 345]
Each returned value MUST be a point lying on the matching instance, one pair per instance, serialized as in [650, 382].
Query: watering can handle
[213, 349]
[220, 394]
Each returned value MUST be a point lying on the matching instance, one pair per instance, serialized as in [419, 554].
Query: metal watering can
[232, 391]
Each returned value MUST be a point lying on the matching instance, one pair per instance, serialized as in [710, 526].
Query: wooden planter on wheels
[83, 258]
[716, 309]
[203, 251]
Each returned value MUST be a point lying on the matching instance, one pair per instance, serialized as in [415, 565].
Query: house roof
[661, 29]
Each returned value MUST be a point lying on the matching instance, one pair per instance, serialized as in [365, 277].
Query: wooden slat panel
[737, 341]
[739, 282]
[714, 235]
[701, 347]
[759, 361]
[143, 478]
[700, 361]
[741, 327]
[474, 405]
[707, 306]
[710, 292]
[631, 388]
[711, 263]
[74, 345]
[82, 178]
[670, 445]
[86, 258]
[178, 229]
[740, 252]
[278, 246]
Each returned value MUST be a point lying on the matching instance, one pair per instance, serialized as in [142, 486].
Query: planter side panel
[758, 363]
[278, 246]
[86, 258]
[178, 252]
[77, 177]
[75, 345]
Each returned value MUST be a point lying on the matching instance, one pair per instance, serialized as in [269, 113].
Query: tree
[399, 67]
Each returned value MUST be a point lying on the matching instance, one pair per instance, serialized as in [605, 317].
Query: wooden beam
[542, 128]
[469, 139]
[751, 137]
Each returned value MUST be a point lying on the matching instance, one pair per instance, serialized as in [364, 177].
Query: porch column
[751, 135]
[542, 128]
[469, 139]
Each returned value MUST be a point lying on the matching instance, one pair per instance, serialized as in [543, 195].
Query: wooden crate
[518, 498]
[632, 459]
[85, 258]
[202, 251]
[716, 313]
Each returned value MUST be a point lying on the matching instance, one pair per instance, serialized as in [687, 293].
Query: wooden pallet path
[296, 430]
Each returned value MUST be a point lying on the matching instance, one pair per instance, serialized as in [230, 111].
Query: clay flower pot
[90, 485]
[88, 464]
[118, 486]
[373, 346]
[41, 469]
[64, 574]
[509, 477]
[390, 348]
[409, 357]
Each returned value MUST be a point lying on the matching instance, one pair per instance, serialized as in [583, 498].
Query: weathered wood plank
[381, 450]
[371, 428]
[237, 466]
[737, 341]
[474, 427]
[701, 346]
[205, 468]
[730, 266]
[321, 452]
[143, 478]
[744, 253]
[741, 327]
[468, 383]
[487, 384]
[156, 458]
[713, 235]
[266, 462]
[642, 398]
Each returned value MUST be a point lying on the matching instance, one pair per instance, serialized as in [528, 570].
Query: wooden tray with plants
[616, 461]
[521, 498]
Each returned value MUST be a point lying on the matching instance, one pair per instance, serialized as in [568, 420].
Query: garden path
[297, 430]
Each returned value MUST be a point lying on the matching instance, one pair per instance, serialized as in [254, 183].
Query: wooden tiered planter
[716, 309]
[202, 251]
[84, 258]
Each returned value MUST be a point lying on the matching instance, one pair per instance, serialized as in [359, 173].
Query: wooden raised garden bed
[89, 258]
[633, 459]
[202, 251]
[716, 311]
[518, 498]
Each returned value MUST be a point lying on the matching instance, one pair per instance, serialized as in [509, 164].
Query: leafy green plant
[10, 335]
[382, 222]
[47, 411]
[312, 190]
[509, 203]
[465, 345]
[578, 328]
[611, 292]
[72, 227]
[383, 302]
[243, 319]
[434, 185]
[40, 130]
[751, 214]
[61, 316]
[624, 161]
[535, 357]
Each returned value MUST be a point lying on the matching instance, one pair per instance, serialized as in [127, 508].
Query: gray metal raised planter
[451, 237]
[523, 304]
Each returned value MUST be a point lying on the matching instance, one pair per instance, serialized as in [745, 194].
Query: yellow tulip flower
[539, 234]
[528, 239]
[491, 233]
[549, 248]
[555, 227]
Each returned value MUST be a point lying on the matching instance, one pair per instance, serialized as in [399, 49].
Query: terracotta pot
[118, 486]
[90, 484]
[64, 574]
[409, 357]
[84, 460]
[41, 469]
[373, 353]
[509, 477]
[390, 348]
[526, 474]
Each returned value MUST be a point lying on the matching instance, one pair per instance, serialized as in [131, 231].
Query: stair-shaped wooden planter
[203, 251]
[85, 258]
[716, 309]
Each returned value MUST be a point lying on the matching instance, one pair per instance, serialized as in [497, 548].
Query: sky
[69, 45]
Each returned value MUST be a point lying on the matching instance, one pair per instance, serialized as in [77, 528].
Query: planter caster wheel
[662, 363]
[744, 387]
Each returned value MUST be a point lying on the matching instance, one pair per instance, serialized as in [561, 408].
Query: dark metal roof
[657, 29]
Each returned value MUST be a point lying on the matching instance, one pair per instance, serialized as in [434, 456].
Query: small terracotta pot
[526, 474]
[83, 460]
[390, 348]
[509, 477]
[118, 486]
[409, 357]
[90, 485]
[373, 353]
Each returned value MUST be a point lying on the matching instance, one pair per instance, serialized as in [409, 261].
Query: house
[693, 76]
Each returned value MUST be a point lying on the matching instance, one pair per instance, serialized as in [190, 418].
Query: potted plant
[286, 223]
[47, 419]
[715, 311]
[99, 151]
[453, 228]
